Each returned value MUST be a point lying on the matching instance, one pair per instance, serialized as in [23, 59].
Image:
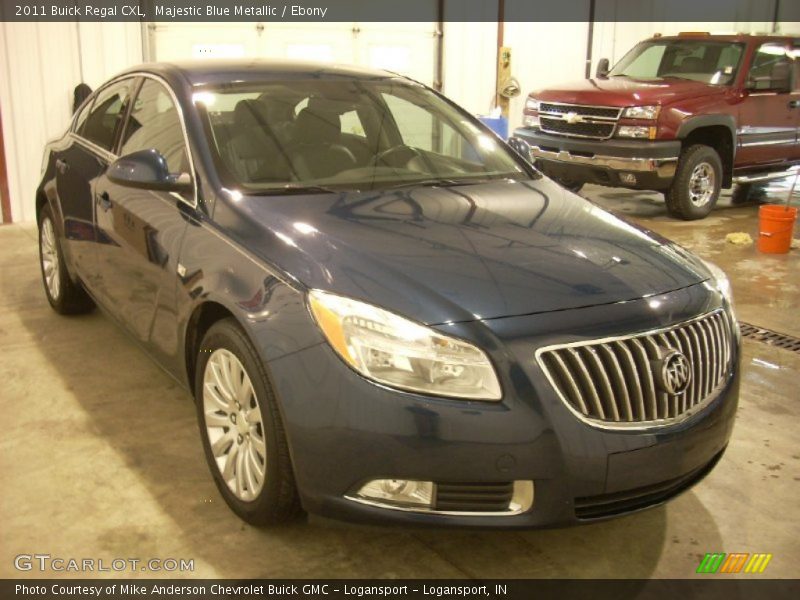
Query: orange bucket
[775, 225]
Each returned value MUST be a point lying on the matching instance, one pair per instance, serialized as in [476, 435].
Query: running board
[765, 176]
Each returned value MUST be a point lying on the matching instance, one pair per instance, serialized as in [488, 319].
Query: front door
[79, 165]
[768, 121]
[143, 228]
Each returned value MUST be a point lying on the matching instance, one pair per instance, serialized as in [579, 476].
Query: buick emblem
[673, 373]
[573, 117]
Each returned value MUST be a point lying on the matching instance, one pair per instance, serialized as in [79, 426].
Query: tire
[570, 184]
[695, 188]
[245, 434]
[66, 296]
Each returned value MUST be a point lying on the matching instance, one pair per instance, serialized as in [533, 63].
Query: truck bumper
[637, 164]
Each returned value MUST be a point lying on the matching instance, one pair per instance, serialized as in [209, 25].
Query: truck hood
[625, 91]
[462, 253]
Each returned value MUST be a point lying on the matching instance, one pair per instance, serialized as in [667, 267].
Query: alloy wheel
[49, 254]
[234, 425]
[702, 184]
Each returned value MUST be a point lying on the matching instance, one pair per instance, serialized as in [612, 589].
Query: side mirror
[147, 170]
[603, 67]
[779, 79]
[521, 147]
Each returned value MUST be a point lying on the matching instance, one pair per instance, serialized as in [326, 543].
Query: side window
[425, 130]
[415, 123]
[771, 68]
[154, 123]
[351, 123]
[105, 118]
[82, 115]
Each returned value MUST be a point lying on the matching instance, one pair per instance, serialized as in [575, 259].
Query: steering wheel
[398, 156]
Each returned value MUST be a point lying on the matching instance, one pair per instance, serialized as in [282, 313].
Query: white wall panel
[40, 65]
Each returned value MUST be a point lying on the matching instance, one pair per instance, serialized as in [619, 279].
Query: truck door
[767, 131]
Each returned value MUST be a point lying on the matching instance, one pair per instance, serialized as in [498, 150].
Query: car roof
[222, 71]
[728, 37]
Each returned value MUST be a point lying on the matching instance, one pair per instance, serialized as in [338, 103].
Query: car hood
[626, 91]
[462, 253]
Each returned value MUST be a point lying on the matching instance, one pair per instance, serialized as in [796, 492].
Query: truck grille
[575, 120]
[634, 379]
[474, 497]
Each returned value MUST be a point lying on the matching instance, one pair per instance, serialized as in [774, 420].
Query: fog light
[627, 178]
[401, 492]
[530, 121]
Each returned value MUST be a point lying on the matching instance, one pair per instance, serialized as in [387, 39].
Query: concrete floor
[101, 457]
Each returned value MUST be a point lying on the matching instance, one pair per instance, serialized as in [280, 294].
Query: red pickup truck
[684, 115]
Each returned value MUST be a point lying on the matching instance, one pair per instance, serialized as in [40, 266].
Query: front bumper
[344, 431]
[652, 164]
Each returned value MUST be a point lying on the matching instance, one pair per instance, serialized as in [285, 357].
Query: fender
[693, 123]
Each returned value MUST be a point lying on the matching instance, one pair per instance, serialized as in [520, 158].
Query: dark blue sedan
[383, 312]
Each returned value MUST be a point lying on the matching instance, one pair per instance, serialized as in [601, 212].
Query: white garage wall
[40, 65]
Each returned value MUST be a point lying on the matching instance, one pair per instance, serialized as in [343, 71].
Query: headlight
[394, 351]
[531, 104]
[641, 112]
[631, 131]
[721, 281]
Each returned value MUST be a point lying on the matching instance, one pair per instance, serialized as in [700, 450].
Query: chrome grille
[576, 120]
[617, 380]
[589, 111]
[587, 130]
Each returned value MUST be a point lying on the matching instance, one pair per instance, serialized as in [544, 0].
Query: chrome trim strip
[637, 425]
[665, 167]
[791, 172]
[521, 502]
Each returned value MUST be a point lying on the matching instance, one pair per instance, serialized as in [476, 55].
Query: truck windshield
[707, 61]
[321, 135]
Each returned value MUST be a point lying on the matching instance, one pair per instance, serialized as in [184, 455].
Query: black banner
[715, 587]
[399, 10]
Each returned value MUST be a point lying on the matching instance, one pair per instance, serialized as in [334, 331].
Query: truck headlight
[641, 112]
[531, 104]
[636, 131]
[400, 353]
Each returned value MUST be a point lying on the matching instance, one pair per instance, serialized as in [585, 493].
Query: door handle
[105, 200]
[62, 165]
[794, 103]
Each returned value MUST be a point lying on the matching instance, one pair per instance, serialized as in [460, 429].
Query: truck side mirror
[779, 79]
[602, 68]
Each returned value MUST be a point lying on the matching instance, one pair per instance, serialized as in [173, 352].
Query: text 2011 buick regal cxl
[383, 312]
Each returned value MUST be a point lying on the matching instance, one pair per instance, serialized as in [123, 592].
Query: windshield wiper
[297, 188]
[436, 183]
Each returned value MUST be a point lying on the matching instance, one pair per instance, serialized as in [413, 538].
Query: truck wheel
[698, 179]
[570, 184]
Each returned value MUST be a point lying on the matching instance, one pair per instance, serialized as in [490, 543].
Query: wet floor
[100, 456]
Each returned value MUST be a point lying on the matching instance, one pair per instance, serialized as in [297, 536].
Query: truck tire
[695, 188]
[570, 184]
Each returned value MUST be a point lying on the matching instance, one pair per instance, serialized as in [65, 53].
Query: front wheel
[243, 437]
[696, 186]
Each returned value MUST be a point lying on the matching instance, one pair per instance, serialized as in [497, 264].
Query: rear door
[144, 229]
[767, 120]
[80, 164]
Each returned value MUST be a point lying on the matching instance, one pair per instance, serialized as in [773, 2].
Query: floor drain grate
[773, 338]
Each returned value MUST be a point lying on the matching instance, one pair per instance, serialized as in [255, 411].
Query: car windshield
[346, 134]
[707, 61]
